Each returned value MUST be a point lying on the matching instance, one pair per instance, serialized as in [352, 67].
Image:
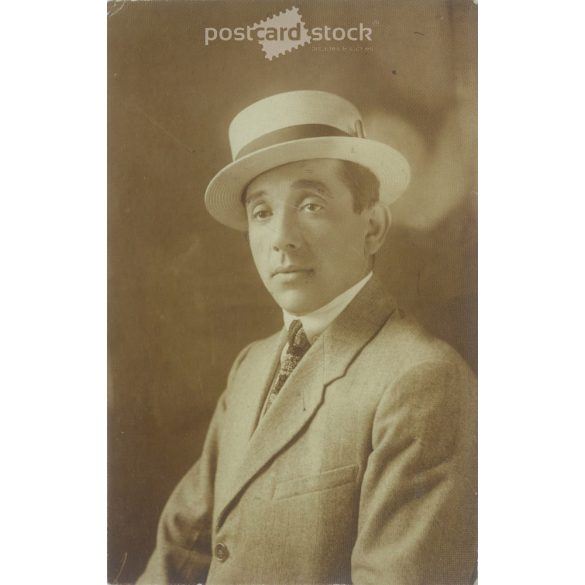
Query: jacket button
[221, 552]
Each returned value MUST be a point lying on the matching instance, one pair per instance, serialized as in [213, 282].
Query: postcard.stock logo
[283, 32]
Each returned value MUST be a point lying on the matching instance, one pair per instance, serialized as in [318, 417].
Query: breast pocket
[316, 483]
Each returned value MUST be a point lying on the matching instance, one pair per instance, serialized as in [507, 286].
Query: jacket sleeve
[183, 543]
[417, 512]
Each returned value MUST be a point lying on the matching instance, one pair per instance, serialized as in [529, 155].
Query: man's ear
[379, 220]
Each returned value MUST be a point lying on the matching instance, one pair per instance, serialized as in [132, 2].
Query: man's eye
[261, 213]
[312, 207]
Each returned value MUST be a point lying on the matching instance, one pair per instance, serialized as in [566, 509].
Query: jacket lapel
[354, 328]
[302, 394]
[256, 371]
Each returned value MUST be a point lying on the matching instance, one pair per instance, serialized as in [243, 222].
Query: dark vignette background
[184, 297]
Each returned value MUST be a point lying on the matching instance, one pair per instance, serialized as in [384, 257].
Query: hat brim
[223, 197]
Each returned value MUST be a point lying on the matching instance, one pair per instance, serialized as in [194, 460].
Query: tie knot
[298, 343]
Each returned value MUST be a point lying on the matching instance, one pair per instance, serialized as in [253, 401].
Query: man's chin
[295, 302]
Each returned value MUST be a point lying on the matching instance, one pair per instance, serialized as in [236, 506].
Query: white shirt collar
[316, 322]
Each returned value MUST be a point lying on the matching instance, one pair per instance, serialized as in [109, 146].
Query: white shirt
[316, 322]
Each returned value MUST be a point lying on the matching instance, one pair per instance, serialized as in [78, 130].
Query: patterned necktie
[298, 344]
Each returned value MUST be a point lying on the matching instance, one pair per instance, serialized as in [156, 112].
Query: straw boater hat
[294, 126]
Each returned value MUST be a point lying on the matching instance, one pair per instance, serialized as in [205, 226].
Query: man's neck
[315, 322]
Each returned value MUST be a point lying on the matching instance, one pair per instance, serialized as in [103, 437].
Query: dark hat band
[289, 134]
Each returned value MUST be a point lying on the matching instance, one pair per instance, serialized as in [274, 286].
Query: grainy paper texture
[184, 294]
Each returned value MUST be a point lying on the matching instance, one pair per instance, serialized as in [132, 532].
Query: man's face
[307, 241]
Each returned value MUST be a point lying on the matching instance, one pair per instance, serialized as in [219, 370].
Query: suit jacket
[363, 470]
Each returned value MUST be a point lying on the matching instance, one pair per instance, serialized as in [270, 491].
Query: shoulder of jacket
[409, 345]
[256, 347]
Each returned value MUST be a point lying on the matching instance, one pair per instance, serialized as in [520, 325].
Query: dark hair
[363, 184]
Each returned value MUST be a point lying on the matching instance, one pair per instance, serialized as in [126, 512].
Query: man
[343, 449]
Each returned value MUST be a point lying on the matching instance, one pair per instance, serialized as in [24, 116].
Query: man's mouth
[291, 270]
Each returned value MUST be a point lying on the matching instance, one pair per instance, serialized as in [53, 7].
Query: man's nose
[286, 235]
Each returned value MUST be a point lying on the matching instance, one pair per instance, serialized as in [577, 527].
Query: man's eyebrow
[249, 197]
[318, 186]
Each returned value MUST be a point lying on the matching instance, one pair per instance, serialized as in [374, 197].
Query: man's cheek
[261, 261]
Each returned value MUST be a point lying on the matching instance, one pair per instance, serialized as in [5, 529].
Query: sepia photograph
[292, 292]
[250, 333]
